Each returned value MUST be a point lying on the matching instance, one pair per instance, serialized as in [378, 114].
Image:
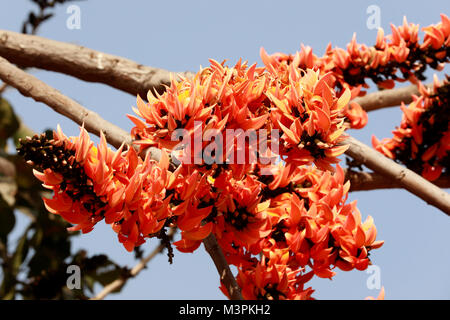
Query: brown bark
[83, 63]
[127, 75]
[32, 87]
[387, 98]
[365, 181]
[212, 247]
[408, 179]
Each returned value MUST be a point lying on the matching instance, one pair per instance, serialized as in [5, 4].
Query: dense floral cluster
[396, 57]
[219, 99]
[311, 231]
[94, 183]
[422, 142]
[280, 223]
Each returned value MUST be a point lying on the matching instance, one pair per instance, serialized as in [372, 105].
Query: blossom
[422, 141]
[90, 184]
[273, 279]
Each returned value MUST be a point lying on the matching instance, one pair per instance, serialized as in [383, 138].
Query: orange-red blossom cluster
[422, 142]
[399, 56]
[280, 224]
[294, 214]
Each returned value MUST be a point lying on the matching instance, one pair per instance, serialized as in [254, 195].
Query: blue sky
[182, 35]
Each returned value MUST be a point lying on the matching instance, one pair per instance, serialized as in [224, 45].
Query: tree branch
[406, 178]
[126, 75]
[32, 87]
[226, 276]
[83, 63]
[387, 98]
[365, 181]
[119, 283]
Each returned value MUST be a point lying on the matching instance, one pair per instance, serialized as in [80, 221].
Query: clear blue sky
[182, 35]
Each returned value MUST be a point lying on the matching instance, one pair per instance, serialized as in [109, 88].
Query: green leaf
[22, 132]
[21, 252]
[89, 283]
[24, 174]
[9, 123]
[8, 190]
[7, 220]
[105, 278]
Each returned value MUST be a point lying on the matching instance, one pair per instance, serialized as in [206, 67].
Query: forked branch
[408, 179]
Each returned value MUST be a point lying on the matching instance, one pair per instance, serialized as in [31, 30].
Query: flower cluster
[422, 142]
[220, 99]
[293, 214]
[91, 183]
[396, 57]
[312, 231]
[279, 213]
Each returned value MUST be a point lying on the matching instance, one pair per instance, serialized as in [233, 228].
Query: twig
[83, 63]
[32, 87]
[119, 283]
[408, 179]
[212, 247]
[365, 181]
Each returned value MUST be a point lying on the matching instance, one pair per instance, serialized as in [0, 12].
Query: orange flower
[356, 115]
[94, 183]
[272, 279]
[241, 211]
[422, 142]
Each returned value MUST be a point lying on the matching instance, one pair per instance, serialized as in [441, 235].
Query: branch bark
[406, 178]
[226, 276]
[387, 98]
[30, 86]
[365, 181]
[83, 63]
[126, 75]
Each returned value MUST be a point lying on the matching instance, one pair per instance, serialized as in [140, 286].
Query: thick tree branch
[32, 87]
[387, 98]
[83, 63]
[408, 179]
[365, 181]
[126, 75]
